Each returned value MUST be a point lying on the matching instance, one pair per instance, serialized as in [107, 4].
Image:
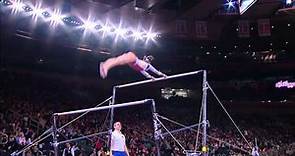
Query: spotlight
[105, 28]
[89, 25]
[55, 18]
[137, 35]
[17, 5]
[288, 2]
[129, 32]
[230, 5]
[120, 32]
[37, 12]
[151, 36]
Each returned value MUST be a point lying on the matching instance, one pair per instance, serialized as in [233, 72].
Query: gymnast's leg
[124, 59]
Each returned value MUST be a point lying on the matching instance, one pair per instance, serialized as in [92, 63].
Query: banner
[181, 27]
[244, 30]
[201, 29]
[264, 27]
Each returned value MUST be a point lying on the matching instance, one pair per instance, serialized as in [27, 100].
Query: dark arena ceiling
[181, 34]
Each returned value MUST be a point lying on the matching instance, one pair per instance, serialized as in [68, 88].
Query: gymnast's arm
[146, 74]
[126, 150]
[154, 70]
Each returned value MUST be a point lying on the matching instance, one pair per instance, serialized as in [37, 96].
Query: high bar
[103, 107]
[158, 79]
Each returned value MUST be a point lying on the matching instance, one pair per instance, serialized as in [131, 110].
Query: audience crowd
[27, 105]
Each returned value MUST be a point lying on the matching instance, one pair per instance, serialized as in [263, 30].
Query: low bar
[158, 79]
[103, 108]
[83, 137]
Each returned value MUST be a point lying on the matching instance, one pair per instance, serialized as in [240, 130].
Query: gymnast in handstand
[141, 65]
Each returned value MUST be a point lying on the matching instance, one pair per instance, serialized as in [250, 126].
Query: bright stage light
[150, 35]
[105, 28]
[37, 11]
[55, 18]
[288, 2]
[16, 6]
[137, 35]
[230, 4]
[89, 25]
[120, 32]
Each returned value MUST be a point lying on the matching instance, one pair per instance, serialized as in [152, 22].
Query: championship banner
[244, 30]
[201, 29]
[264, 27]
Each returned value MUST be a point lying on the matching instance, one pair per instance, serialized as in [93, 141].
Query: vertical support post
[54, 135]
[156, 127]
[204, 117]
[112, 115]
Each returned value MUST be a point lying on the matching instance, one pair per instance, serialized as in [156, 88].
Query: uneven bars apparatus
[204, 97]
[55, 115]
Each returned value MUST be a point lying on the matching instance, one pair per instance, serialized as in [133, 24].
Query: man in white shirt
[118, 142]
[141, 65]
[255, 151]
[68, 151]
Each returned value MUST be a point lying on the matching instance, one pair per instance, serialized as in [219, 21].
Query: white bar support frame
[112, 116]
[156, 128]
[204, 117]
[55, 116]
[204, 99]
[54, 135]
